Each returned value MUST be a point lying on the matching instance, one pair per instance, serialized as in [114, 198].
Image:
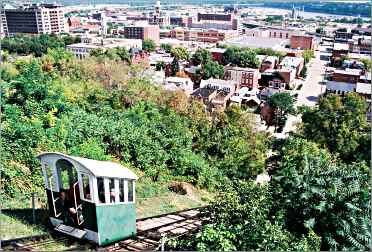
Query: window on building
[112, 192]
[86, 187]
[130, 191]
[67, 173]
[51, 183]
[121, 190]
[101, 190]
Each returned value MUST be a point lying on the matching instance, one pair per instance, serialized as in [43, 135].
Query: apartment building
[219, 21]
[244, 77]
[202, 35]
[33, 19]
[82, 50]
[143, 32]
[274, 32]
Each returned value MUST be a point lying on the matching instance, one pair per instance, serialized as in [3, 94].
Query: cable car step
[75, 232]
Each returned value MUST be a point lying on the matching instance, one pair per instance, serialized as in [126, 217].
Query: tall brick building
[143, 32]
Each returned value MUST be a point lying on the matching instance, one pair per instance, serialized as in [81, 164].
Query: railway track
[151, 231]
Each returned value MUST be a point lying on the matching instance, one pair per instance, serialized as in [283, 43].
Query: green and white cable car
[89, 199]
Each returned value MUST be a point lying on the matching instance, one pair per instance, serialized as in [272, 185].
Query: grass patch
[12, 227]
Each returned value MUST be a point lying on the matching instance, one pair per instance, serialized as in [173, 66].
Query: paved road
[309, 93]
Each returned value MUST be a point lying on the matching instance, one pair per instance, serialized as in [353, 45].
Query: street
[309, 93]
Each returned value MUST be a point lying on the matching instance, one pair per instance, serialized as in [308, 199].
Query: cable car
[89, 199]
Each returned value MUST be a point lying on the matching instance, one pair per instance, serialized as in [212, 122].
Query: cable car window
[121, 190]
[112, 190]
[51, 182]
[86, 187]
[101, 190]
[130, 191]
[67, 173]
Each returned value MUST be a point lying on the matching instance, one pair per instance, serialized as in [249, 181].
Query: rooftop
[340, 47]
[348, 71]
[257, 42]
[291, 61]
[340, 86]
[203, 92]
[363, 88]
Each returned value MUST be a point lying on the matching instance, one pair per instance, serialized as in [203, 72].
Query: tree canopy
[148, 45]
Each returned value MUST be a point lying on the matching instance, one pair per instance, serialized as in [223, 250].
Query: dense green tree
[315, 193]
[339, 124]
[37, 45]
[231, 55]
[201, 56]
[247, 58]
[238, 219]
[175, 66]
[148, 45]
[212, 69]
[283, 105]
[166, 47]
[160, 65]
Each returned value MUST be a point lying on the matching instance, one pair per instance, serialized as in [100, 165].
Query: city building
[303, 42]
[347, 75]
[217, 53]
[83, 49]
[244, 77]
[219, 21]
[285, 32]
[269, 62]
[179, 83]
[202, 35]
[33, 19]
[215, 93]
[257, 42]
[293, 63]
[143, 32]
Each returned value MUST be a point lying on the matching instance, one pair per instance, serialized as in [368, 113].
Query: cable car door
[69, 191]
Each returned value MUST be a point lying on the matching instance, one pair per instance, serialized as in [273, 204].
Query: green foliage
[274, 18]
[118, 54]
[246, 57]
[175, 66]
[367, 63]
[166, 47]
[320, 195]
[307, 54]
[320, 30]
[339, 124]
[239, 220]
[160, 65]
[212, 69]
[148, 45]
[201, 56]
[37, 45]
[283, 104]
[180, 53]
[303, 72]
[140, 125]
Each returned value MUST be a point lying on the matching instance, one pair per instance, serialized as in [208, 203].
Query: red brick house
[245, 77]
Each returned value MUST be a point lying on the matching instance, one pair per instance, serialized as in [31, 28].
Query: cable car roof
[95, 167]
